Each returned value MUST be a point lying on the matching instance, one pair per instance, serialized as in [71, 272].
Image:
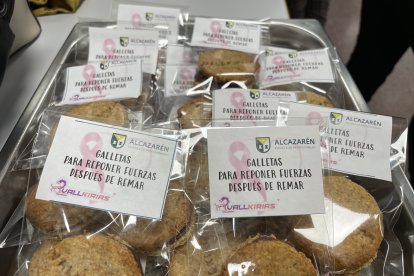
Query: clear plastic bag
[127, 113]
[51, 226]
[365, 208]
[216, 243]
[168, 20]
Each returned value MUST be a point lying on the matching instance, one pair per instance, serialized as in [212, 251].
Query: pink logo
[186, 74]
[187, 56]
[88, 74]
[109, 48]
[136, 20]
[89, 153]
[59, 189]
[224, 205]
[215, 28]
[237, 100]
[241, 164]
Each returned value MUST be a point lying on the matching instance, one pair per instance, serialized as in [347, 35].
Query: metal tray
[297, 34]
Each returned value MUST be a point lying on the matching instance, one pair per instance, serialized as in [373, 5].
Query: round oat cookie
[357, 227]
[57, 218]
[228, 65]
[265, 255]
[150, 236]
[84, 255]
[195, 113]
[108, 112]
[186, 262]
[316, 99]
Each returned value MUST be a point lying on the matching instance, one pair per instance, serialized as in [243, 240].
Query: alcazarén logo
[149, 16]
[254, 94]
[229, 24]
[336, 118]
[118, 140]
[124, 41]
[263, 144]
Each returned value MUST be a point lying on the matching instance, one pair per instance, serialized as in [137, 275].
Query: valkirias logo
[124, 41]
[118, 140]
[336, 118]
[254, 94]
[263, 144]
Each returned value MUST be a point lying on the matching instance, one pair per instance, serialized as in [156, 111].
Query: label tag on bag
[106, 167]
[164, 20]
[247, 107]
[115, 44]
[102, 81]
[179, 79]
[279, 67]
[359, 143]
[265, 171]
[226, 34]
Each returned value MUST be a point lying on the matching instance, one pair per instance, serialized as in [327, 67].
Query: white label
[226, 34]
[109, 168]
[310, 66]
[179, 79]
[359, 143]
[265, 171]
[243, 107]
[177, 54]
[164, 20]
[102, 81]
[109, 44]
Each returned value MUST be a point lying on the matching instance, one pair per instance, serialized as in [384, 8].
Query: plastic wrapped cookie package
[168, 20]
[214, 252]
[364, 207]
[53, 226]
[119, 113]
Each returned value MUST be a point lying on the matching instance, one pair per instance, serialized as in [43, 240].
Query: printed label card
[265, 171]
[296, 66]
[165, 20]
[106, 167]
[226, 34]
[247, 107]
[359, 143]
[106, 80]
[115, 45]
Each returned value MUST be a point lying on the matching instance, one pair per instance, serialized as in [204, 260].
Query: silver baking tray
[296, 34]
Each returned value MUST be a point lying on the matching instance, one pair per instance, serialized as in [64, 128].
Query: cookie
[357, 227]
[187, 262]
[57, 218]
[84, 255]
[265, 255]
[107, 112]
[150, 236]
[316, 99]
[195, 113]
[228, 65]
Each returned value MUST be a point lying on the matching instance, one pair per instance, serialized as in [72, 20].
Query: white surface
[27, 68]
